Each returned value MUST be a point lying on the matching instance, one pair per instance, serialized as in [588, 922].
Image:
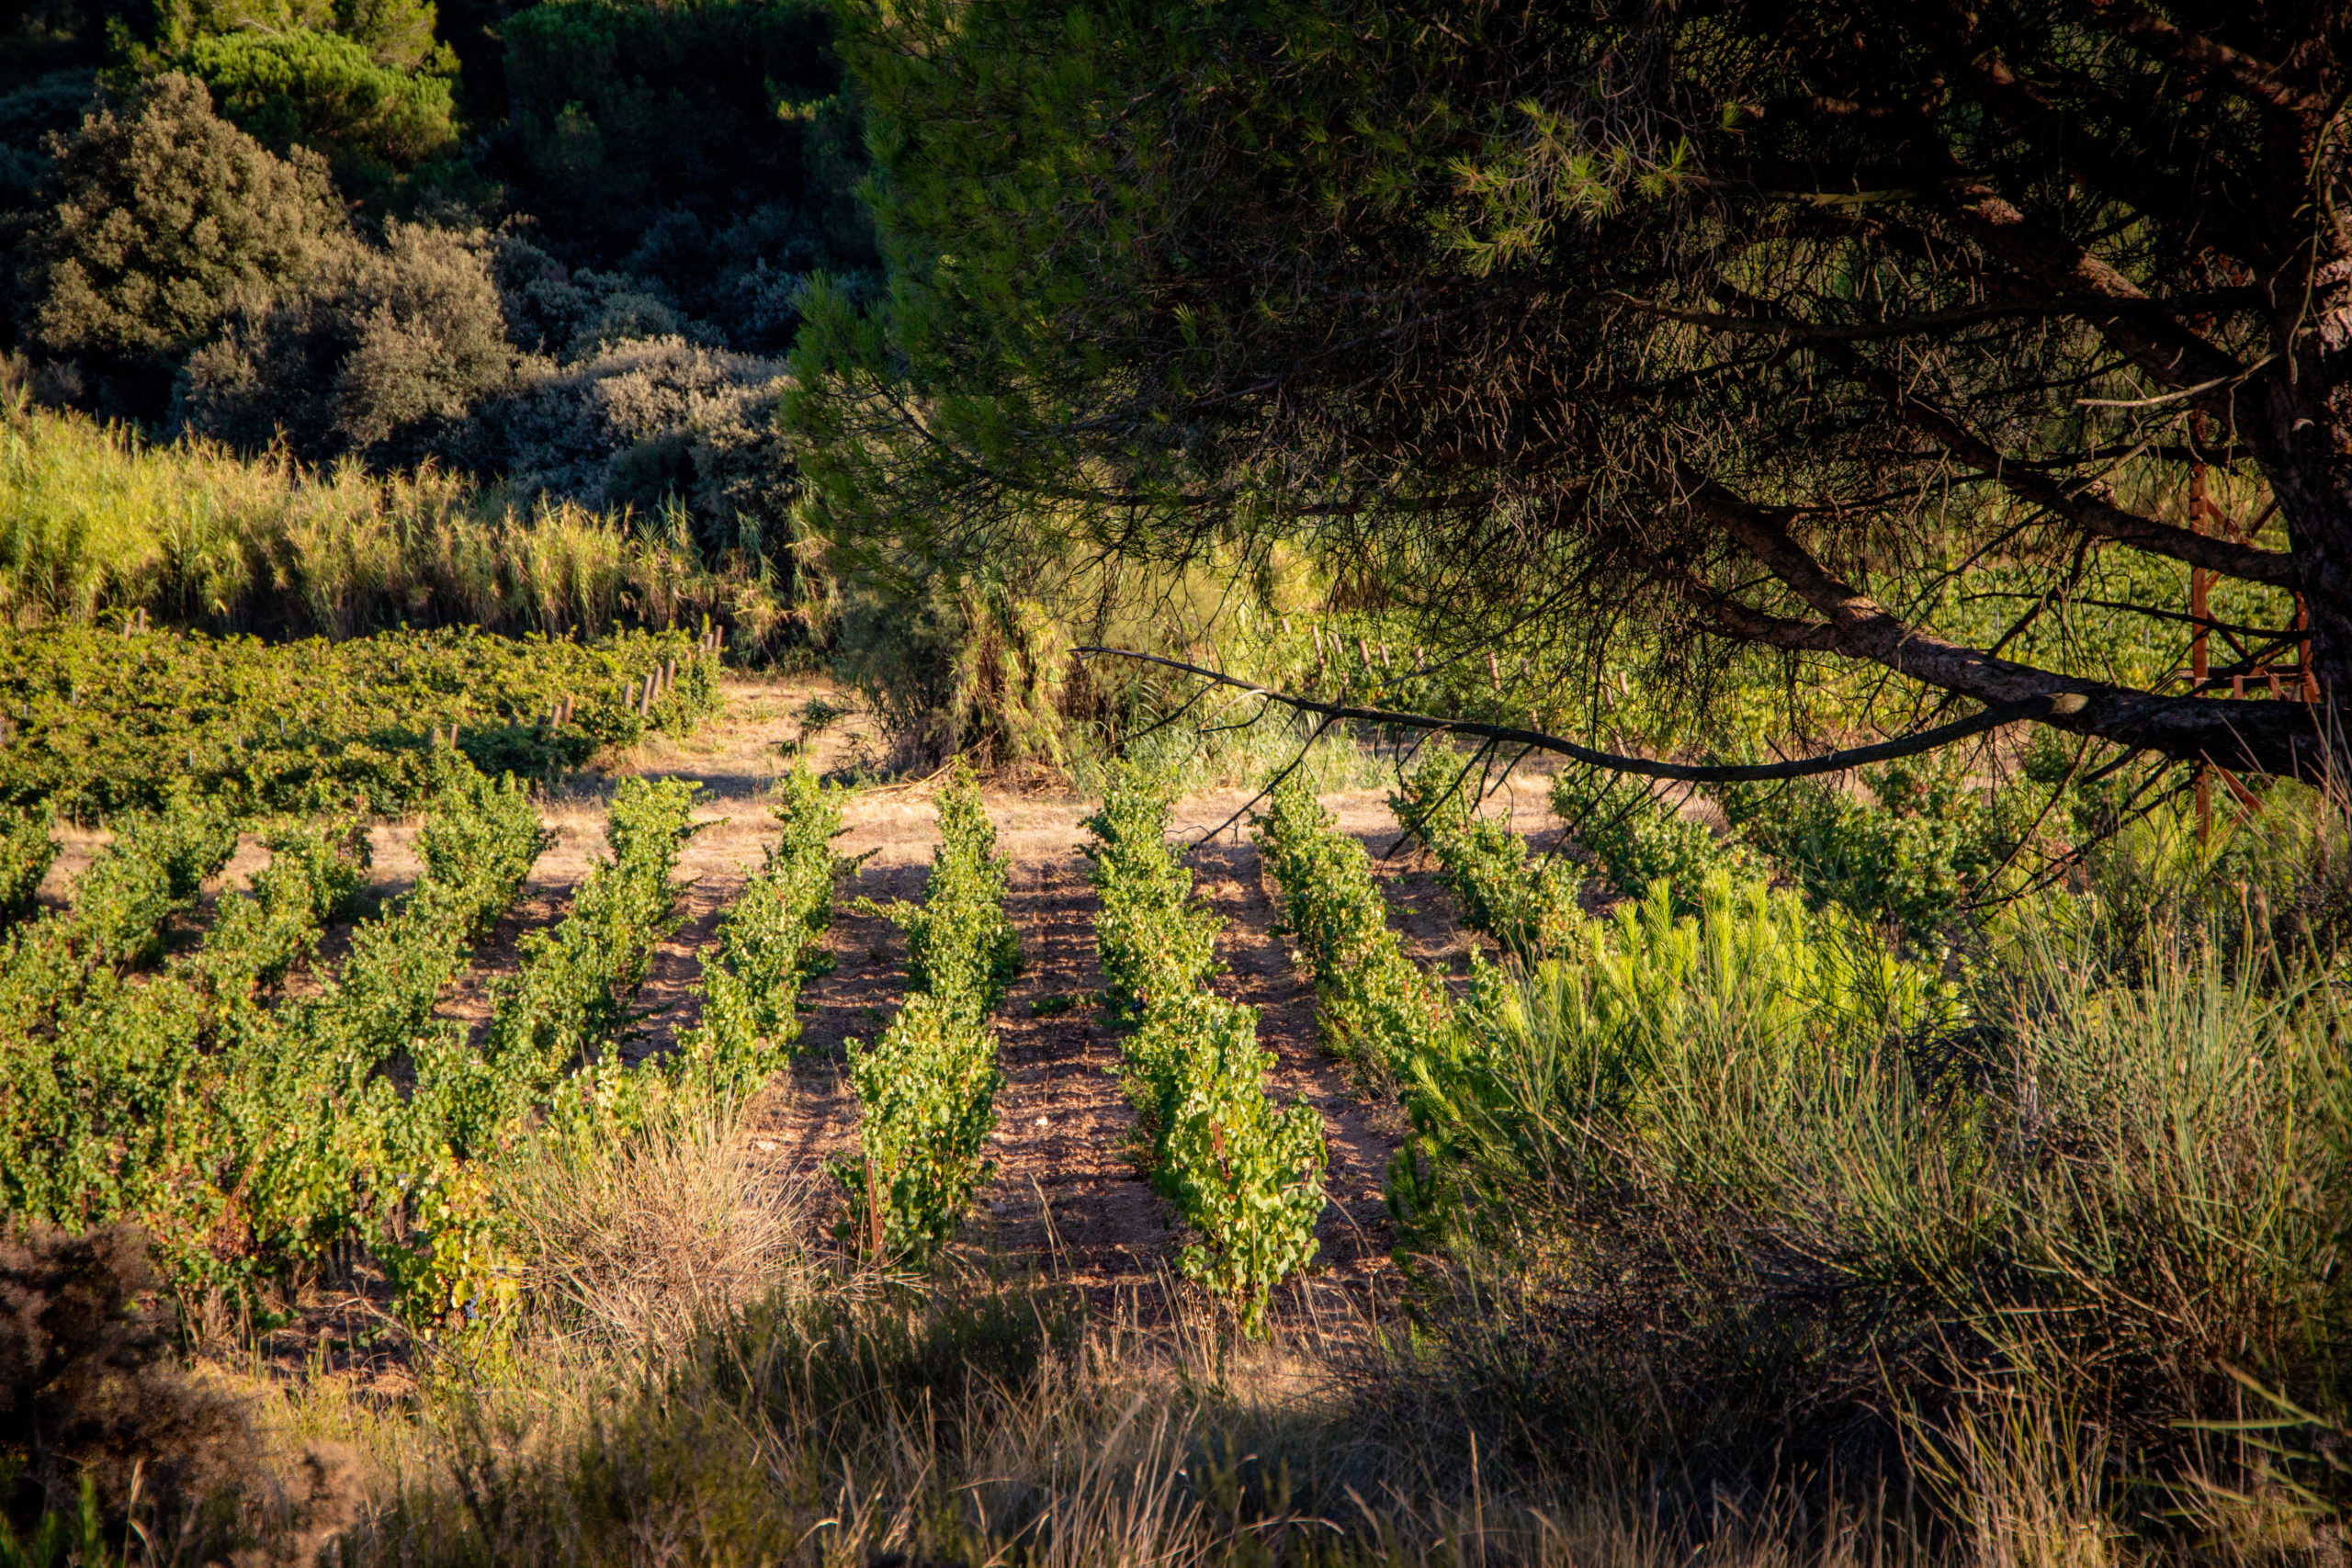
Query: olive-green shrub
[1375, 1007]
[1528, 905]
[926, 1091]
[1245, 1177]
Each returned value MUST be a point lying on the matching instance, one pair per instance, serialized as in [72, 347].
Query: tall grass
[1741, 1182]
[96, 523]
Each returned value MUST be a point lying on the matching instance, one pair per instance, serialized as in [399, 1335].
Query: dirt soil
[1064, 1200]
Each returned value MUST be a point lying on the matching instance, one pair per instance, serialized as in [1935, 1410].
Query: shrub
[89, 1396]
[1246, 1178]
[960, 946]
[381, 352]
[955, 667]
[645, 421]
[314, 89]
[26, 851]
[1640, 839]
[1529, 906]
[926, 1091]
[159, 216]
[1372, 1005]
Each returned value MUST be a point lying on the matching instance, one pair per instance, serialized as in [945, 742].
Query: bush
[379, 353]
[926, 1091]
[316, 90]
[1372, 1005]
[159, 216]
[954, 668]
[1640, 839]
[88, 1395]
[1529, 906]
[647, 423]
[1246, 1177]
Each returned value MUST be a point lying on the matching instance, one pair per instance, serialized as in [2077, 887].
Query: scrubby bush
[89, 1394]
[955, 666]
[159, 215]
[643, 423]
[1372, 1005]
[1638, 838]
[1528, 905]
[382, 353]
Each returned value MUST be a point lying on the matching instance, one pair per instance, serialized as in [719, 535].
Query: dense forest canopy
[1766, 324]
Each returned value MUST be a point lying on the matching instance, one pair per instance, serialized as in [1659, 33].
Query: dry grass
[643, 1242]
[95, 522]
